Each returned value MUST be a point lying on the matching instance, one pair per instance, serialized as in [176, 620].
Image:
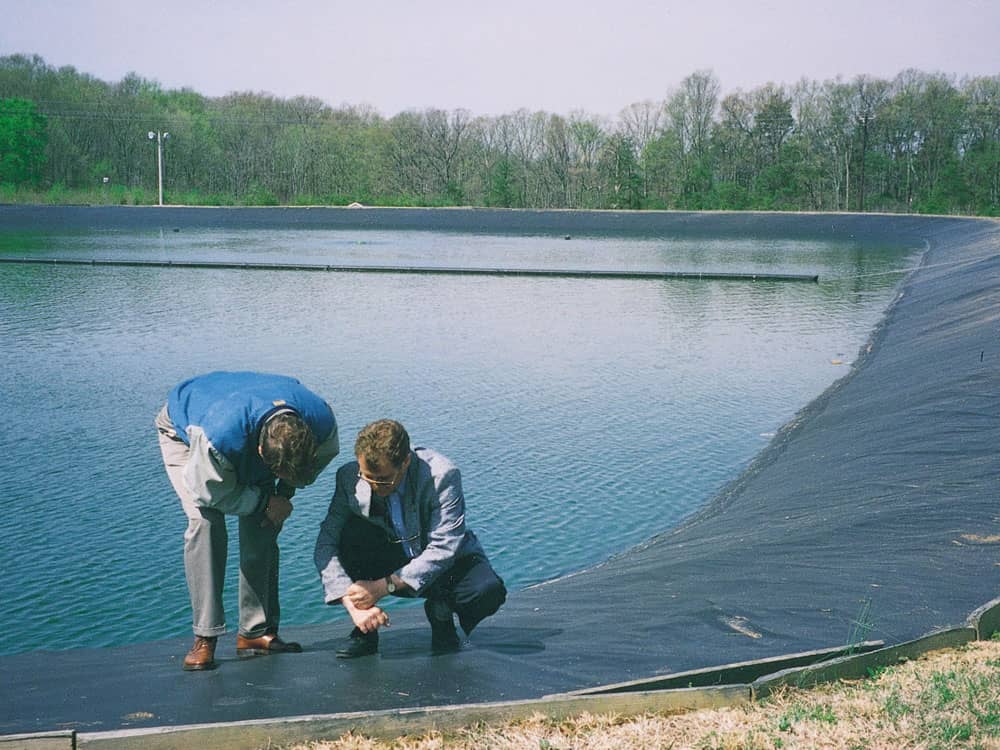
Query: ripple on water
[586, 415]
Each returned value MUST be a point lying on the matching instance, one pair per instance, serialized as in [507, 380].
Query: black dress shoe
[444, 637]
[358, 644]
[265, 645]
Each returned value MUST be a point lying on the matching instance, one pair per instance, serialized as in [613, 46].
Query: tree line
[921, 142]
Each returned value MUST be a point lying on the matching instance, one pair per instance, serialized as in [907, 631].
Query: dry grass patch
[948, 699]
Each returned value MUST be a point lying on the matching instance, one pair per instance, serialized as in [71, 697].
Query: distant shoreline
[566, 223]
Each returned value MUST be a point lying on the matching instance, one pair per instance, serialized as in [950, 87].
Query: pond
[586, 415]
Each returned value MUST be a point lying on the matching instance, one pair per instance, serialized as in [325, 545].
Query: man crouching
[396, 525]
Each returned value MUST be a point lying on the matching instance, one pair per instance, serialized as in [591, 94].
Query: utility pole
[160, 138]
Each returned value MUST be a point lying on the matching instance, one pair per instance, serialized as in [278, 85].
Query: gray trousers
[206, 544]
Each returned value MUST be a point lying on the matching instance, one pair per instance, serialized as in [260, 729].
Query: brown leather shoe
[202, 655]
[264, 645]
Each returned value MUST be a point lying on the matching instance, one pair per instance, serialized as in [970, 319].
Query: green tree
[663, 158]
[940, 116]
[733, 145]
[690, 116]
[587, 139]
[815, 144]
[557, 163]
[23, 137]
[621, 173]
[981, 147]
[920, 143]
[870, 95]
[502, 185]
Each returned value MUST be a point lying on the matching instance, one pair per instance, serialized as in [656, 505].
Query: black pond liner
[873, 515]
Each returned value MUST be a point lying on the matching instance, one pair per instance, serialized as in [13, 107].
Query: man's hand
[366, 620]
[278, 509]
[365, 594]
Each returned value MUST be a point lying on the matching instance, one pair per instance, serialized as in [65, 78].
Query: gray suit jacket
[433, 512]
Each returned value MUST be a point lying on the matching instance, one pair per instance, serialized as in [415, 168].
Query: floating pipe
[543, 272]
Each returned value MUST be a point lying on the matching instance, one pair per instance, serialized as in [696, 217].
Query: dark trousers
[470, 586]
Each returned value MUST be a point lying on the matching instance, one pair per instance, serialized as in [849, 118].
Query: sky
[492, 58]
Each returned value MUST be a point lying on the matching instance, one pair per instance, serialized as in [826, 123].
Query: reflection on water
[585, 414]
[440, 249]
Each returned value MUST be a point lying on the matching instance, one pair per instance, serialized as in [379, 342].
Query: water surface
[586, 414]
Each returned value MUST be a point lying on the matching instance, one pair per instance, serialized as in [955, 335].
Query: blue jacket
[219, 416]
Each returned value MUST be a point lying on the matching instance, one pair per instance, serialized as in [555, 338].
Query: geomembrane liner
[873, 515]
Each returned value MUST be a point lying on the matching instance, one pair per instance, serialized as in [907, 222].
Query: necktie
[396, 518]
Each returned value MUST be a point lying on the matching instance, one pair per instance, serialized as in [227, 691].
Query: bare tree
[557, 161]
[690, 118]
[869, 96]
[641, 122]
[587, 138]
[691, 111]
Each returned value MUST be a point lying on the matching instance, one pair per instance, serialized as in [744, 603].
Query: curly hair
[381, 440]
[288, 447]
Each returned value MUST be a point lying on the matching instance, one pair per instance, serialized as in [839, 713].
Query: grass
[947, 699]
